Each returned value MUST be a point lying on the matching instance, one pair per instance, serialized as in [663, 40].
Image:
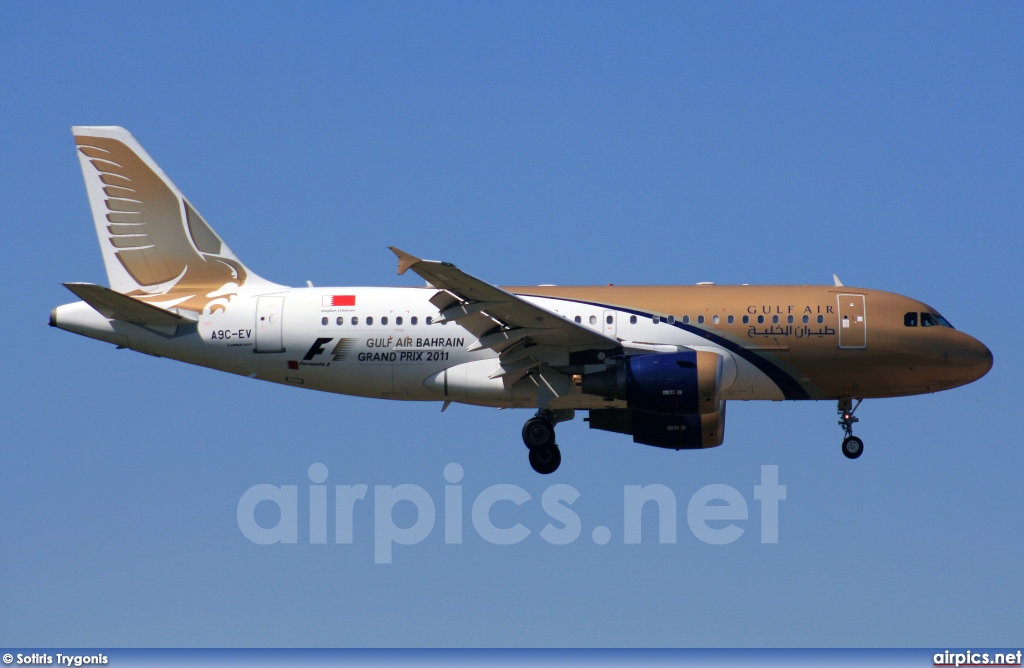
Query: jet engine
[679, 383]
[674, 399]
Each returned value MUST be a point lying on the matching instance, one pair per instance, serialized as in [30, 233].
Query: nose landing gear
[539, 437]
[853, 447]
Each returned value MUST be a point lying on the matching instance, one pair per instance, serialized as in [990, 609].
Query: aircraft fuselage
[779, 342]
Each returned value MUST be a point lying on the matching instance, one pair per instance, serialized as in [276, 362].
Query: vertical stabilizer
[155, 244]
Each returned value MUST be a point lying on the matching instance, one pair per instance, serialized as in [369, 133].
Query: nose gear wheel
[853, 447]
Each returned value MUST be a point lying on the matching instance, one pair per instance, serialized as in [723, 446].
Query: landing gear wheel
[853, 447]
[538, 433]
[545, 460]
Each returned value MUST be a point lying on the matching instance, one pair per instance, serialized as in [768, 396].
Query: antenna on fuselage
[839, 283]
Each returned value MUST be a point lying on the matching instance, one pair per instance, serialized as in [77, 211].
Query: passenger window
[578, 320]
[928, 320]
[746, 320]
[413, 320]
[686, 320]
[775, 319]
[910, 319]
[806, 319]
[790, 320]
[732, 319]
[760, 319]
[340, 320]
[429, 320]
[593, 320]
[398, 320]
[821, 319]
[671, 320]
[369, 320]
[632, 319]
[655, 319]
[715, 320]
[700, 320]
[609, 320]
[355, 320]
[323, 321]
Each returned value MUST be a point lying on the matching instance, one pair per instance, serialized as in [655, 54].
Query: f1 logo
[316, 349]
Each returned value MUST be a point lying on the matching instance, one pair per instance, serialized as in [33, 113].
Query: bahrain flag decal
[339, 300]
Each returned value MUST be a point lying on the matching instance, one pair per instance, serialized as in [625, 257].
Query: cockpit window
[934, 320]
[926, 320]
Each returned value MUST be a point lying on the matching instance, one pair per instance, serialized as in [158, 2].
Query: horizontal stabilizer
[114, 305]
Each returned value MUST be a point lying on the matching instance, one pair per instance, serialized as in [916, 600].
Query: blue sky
[529, 143]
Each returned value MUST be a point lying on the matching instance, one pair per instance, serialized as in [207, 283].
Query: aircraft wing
[499, 318]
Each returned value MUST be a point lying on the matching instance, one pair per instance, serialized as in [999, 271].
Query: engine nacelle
[688, 382]
[680, 432]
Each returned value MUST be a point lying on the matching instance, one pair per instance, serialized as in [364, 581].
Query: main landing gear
[539, 437]
[853, 447]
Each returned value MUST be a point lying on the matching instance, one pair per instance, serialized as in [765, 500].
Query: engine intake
[688, 382]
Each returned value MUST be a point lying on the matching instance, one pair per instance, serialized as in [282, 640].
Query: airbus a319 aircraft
[657, 363]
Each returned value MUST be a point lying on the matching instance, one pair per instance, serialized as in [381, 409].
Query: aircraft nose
[979, 357]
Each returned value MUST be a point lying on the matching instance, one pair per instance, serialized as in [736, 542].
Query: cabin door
[609, 323]
[853, 321]
[269, 311]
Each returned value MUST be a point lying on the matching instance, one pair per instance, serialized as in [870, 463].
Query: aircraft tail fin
[155, 244]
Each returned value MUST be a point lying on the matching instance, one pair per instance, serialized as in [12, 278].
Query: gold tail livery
[658, 363]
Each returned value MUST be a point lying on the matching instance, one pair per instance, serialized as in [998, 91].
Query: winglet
[839, 283]
[405, 261]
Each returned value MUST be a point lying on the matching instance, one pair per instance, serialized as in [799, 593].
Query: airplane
[658, 363]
